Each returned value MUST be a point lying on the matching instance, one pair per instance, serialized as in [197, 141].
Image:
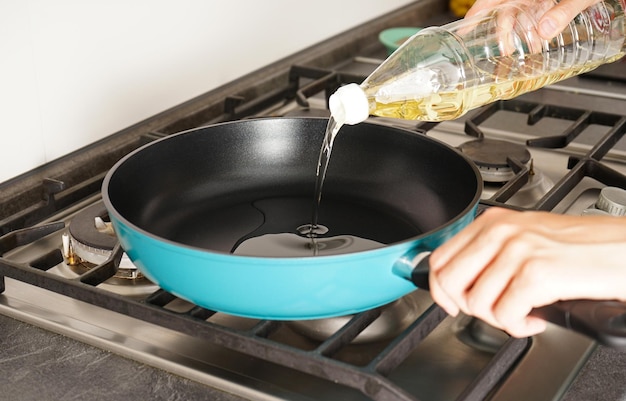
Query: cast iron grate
[57, 192]
[588, 165]
[371, 379]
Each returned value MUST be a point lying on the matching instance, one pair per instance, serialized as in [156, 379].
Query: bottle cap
[349, 105]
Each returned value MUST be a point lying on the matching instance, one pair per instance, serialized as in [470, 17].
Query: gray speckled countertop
[36, 364]
[603, 378]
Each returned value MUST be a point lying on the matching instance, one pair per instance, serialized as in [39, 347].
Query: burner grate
[590, 165]
[39, 195]
[371, 380]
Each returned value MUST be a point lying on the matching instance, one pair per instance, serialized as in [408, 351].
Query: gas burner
[537, 186]
[490, 156]
[90, 242]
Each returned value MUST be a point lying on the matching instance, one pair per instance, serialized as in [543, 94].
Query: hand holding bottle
[441, 73]
[506, 263]
[552, 22]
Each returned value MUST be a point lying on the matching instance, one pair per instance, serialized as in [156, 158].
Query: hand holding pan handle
[603, 321]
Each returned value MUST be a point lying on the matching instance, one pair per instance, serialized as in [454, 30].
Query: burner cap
[94, 244]
[83, 229]
[490, 156]
[493, 153]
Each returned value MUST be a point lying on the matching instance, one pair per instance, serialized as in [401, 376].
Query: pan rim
[114, 214]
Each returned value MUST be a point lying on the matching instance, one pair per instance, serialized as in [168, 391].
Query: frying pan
[181, 204]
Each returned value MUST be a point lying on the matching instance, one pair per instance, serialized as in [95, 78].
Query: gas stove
[64, 271]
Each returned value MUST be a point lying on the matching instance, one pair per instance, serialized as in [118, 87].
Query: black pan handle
[603, 321]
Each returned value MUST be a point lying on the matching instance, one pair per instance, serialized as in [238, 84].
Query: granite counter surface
[603, 378]
[36, 364]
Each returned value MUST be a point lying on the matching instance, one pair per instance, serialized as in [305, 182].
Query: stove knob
[613, 201]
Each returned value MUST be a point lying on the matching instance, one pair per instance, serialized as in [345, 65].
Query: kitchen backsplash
[73, 71]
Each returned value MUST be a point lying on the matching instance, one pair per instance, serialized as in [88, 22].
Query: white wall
[74, 71]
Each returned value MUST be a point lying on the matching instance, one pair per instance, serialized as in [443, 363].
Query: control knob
[613, 201]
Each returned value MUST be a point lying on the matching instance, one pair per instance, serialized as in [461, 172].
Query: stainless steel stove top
[455, 353]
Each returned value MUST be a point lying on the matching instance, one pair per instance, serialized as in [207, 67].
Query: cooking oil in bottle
[443, 72]
[448, 105]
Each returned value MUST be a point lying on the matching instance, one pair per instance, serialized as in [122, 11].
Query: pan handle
[603, 321]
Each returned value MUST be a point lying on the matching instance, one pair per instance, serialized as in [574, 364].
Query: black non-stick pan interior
[215, 186]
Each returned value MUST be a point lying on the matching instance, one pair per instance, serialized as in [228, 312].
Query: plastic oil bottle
[441, 73]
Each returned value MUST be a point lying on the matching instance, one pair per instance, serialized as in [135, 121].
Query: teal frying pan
[182, 205]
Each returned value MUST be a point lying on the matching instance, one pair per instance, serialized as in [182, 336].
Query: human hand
[552, 22]
[506, 263]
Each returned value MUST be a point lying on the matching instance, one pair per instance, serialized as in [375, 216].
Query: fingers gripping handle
[603, 321]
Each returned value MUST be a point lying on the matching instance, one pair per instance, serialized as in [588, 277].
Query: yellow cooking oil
[451, 104]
